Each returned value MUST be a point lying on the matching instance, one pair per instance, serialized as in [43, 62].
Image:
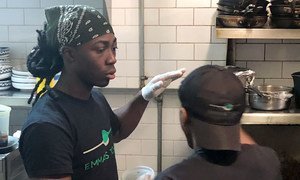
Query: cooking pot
[271, 97]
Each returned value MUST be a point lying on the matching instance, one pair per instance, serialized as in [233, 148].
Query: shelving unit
[257, 33]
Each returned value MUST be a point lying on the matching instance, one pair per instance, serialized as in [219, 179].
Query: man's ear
[68, 54]
[183, 116]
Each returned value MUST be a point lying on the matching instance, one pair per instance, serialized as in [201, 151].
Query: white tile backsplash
[177, 51]
[127, 33]
[132, 16]
[129, 146]
[159, 3]
[151, 51]
[282, 52]
[125, 3]
[2, 3]
[34, 16]
[133, 50]
[210, 51]
[12, 16]
[289, 68]
[160, 34]
[250, 51]
[47, 3]
[3, 33]
[176, 16]
[23, 33]
[118, 16]
[153, 68]
[96, 4]
[23, 3]
[205, 16]
[193, 3]
[193, 34]
[149, 147]
[151, 17]
[266, 69]
[167, 148]
[172, 132]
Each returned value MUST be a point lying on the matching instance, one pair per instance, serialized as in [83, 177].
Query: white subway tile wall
[177, 33]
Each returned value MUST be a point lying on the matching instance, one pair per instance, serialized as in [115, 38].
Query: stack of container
[285, 13]
[242, 13]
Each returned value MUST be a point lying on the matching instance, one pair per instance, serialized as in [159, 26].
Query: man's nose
[112, 58]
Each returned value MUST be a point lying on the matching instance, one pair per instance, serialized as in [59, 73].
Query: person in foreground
[71, 130]
[213, 101]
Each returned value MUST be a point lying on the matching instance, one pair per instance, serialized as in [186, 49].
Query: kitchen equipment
[274, 97]
[284, 11]
[139, 173]
[287, 2]
[245, 75]
[4, 124]
[11, 164]
[241, 21]
[296, 79]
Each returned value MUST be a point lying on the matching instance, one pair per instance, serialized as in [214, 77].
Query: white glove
[159, 83]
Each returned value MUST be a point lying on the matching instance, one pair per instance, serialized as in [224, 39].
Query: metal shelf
[257, 33]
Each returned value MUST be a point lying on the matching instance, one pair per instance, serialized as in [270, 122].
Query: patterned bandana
[73, 25]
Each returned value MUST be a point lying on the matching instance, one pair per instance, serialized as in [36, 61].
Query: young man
[213, 101]
[70, 132]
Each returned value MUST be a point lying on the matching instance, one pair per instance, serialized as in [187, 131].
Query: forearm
[130, 115]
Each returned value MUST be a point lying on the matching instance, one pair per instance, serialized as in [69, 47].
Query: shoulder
[182, 170]
[261, 152]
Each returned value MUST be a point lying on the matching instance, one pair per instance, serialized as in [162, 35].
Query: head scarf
[73, 25]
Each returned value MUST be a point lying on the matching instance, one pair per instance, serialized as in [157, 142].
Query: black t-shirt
[68, 136]
[253, 162]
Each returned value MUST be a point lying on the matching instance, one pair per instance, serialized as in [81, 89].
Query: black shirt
[68, 136]
[253, 162]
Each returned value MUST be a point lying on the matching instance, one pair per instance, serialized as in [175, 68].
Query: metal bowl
[274, 98]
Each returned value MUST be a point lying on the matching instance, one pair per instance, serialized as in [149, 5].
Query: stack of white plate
[5, 69]
[22, 78]
[4, 56]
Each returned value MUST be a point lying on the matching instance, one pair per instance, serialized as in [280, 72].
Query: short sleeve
[46, 150]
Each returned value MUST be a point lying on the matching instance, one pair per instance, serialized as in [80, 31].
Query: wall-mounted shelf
[257, 33]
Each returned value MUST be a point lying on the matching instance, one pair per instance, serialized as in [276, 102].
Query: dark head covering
[214, 97]
[73, 25]
[69, 25]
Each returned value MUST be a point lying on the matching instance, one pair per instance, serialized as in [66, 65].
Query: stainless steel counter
[290, 116]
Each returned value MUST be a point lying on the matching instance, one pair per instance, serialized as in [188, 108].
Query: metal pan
[240, 21]
[284, 22]
[286, 2]
[283, 10]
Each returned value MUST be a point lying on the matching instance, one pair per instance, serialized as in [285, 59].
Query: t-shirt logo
[105, 141]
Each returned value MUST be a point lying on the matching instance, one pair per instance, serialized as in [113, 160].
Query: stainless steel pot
[271, 97]
[245, 75]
